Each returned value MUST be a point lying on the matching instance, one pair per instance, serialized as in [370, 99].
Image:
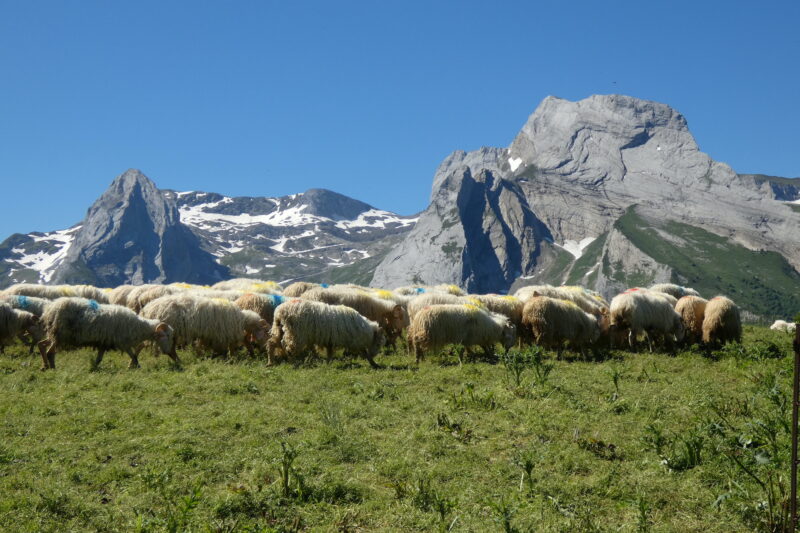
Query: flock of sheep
[303, 317]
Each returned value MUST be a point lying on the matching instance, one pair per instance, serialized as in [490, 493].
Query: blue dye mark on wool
[93, 305]
[420, 290]
[276, 299]
[22, 302]
[323, 285]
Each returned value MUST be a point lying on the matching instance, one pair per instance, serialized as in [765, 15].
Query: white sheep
[640, 311]
[589, 301]
[249, 285]
[722, 322]
[16, 323]
[674, 290]
[783, 325]
[36, 307]
[78, 323]
[215, 323]
[300, 325]
[436, 326]
[692, 310]
[51, 292]
[552, 322]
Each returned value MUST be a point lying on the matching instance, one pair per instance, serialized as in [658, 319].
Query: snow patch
[576, 247]
[514, 163]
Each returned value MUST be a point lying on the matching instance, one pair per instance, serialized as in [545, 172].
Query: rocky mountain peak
[329, 204]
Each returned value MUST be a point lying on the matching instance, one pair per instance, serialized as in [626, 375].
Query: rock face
[573, 171]
[133, 234]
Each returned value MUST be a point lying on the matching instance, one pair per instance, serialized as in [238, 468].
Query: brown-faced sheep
[721, 323]
[78, 323]
[436, 326]
[553, 322]
[300, 325]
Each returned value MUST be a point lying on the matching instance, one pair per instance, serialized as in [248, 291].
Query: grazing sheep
[215, 323]
[51, 292]
[391, 317]
[119, 295]
[589, 301]
[553, 322]
[230, 295]
[139, 298]
[641, 311]
[300, 325]
[410, 291]
[298, 288]
[721, 323]
[782, 325]
[263, 304]
[674, 290]
[77, 323]
[436, 326]
[692, 309]
[248, 285]
[36, 307]
[436, 298]
[509, 306]
[16, 322]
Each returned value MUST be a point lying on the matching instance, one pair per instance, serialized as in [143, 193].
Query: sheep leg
[43, 349]
[100, 353]
[371, 361]
[134, 355]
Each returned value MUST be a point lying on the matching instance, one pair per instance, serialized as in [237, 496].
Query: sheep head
[509, 335]
[165, 339]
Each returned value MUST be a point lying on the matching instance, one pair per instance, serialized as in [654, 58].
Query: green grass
[761, 282]
[636, 442]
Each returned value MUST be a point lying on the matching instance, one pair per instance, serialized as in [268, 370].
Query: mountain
[137, 233]
[596, 185]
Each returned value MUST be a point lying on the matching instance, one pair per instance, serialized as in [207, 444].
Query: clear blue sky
[365, 98]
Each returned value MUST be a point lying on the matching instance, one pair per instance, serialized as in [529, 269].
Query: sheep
[438, 325]
[263, 304]
[674, 290]
[33, 305]
[16, 322]
[589, 301]
[509, 306]
[300, 325]
[692, 310]
[721, 323]
[298, 288]
[391, 317]
[248, 285]
[119, 295]
[438, 298]
[216, 323]
[139, 298]
[782, 325]
[76, 323]
[553, 322]
[410, 291]
[641, 311]
[51, 292]
[222, 294]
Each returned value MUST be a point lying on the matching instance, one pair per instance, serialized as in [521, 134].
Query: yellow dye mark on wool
[475, 302]
[571, 304]
[453, 289]
[510, 298]
[67, 291]
[384, 294]
[108, 289]
[472, 308]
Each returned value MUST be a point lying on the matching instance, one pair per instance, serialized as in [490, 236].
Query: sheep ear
[262, 323]
[162, 327]
[397, 311]
[35, 319]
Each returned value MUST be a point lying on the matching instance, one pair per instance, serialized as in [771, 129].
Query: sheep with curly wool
[390, 316]
[300, 325]
[139, 298]
[589, 301]
[692, 310]
[36, 306]
[640, 312]
[721, 322]
[674, 290]
[510, 306]
[552, 323]
[262, 304]
[436, 326]
[78, 323]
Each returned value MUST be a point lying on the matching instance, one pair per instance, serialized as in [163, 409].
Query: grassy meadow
[625, 442]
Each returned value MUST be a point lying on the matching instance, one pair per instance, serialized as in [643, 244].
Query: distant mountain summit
[137, 233]
[609, 192]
